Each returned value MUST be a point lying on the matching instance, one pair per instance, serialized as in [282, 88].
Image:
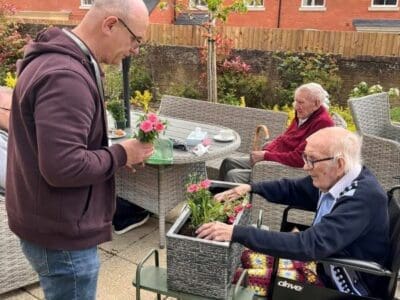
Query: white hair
[316, 92]
[348, 146]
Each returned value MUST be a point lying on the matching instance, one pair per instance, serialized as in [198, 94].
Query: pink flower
[238, 208]
[158, 126]
[248, 205]
[205, 184]
[152, 117]
[231, 219]
[192, 188]
[146, 126]
[206, 142]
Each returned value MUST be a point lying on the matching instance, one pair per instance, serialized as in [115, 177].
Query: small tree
[217, 11]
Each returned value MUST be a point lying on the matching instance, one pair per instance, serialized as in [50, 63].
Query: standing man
[310, 116]
[351, 213]
[60, 191]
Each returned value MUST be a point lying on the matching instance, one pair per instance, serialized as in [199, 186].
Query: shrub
[142, 100]
[10, 80]
[11, 42]
[297, 69]
[113, 85]
[117, 109]
[363, 89]
[139, 74]
[395, 114]
[186, 90]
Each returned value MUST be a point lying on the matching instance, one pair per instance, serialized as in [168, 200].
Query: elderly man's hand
[215, 231]
[234, 193]
[256, 156]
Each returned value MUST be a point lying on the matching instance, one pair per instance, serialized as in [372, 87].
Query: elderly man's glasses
[312, 162]
[135, 38]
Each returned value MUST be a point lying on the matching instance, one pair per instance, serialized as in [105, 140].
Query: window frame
[385, 5]
[256, 7]
[194, 6]
[312, 7]
[84, 5]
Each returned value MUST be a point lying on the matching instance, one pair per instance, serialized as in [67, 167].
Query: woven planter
[202, 267]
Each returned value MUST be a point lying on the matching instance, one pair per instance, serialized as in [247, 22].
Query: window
[86, 3]
[384, 5]
[255, 4]
[384, 2]
[313, 3]
[199, 4]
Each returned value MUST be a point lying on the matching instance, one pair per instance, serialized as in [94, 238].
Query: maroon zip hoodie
[60, 170]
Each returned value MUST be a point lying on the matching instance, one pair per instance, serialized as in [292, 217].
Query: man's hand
[234, 193]
[215, 231]
[256, 156]
[136, 152]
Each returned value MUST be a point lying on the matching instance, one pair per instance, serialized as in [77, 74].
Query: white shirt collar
[345, 181]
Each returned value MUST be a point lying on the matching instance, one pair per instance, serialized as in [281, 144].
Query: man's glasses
[311, 162]
[135, 38]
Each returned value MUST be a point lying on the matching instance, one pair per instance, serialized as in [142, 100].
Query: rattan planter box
[201, 267]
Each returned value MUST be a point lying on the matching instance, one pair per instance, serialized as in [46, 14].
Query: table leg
[161, 208]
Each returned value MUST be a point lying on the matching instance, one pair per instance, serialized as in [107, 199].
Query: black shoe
[129, 223]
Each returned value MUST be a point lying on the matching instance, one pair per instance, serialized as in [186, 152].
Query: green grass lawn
[395, 114]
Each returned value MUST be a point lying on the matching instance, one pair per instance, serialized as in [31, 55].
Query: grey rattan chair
[371, 114]
[272, 216]
[15, 271]
[382, 156]
[243, 120]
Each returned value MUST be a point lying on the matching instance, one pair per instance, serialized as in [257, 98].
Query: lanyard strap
[92, 61]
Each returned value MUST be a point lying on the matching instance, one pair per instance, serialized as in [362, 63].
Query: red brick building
[371, 15]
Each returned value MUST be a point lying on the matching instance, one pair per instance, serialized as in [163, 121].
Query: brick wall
[339, 14]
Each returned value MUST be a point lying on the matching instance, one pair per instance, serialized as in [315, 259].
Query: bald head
[113, 29]
[338, 142]
[125, 9]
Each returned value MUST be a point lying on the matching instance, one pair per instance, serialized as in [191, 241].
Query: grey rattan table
[160, 188]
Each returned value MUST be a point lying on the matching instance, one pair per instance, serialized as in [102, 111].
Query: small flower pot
[202, 267]
[120, 124]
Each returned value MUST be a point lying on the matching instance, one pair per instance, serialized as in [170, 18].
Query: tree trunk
[211, 62]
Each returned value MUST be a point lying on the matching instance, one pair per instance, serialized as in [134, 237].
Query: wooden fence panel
[346, 43]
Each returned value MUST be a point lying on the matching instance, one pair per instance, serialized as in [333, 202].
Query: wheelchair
[154, 278]
[283, 288]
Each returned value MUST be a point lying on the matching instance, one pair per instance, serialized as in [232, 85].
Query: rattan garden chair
[243, 120]
[371, 114]
[15, 271]
[382, 156]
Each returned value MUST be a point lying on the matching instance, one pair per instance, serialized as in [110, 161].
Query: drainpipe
[278, 25]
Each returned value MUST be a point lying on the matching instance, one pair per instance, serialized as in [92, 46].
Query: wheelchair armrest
[369, 267]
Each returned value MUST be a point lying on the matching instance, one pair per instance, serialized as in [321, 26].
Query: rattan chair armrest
[358, 265]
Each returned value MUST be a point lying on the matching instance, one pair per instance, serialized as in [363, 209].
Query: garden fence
[345, 43]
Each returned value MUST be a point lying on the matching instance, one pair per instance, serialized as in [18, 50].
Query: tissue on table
[196, 137]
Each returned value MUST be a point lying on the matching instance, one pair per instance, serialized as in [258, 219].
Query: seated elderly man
[351, 212]
[310, 116]
[5, 106]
